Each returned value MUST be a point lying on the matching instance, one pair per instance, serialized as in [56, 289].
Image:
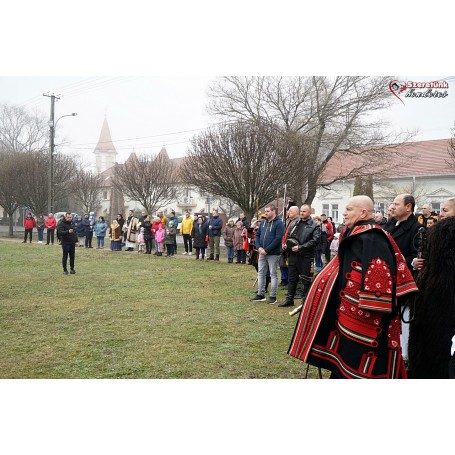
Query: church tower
[105, 153]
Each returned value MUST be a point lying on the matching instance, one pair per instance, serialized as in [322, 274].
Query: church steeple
[105, 152]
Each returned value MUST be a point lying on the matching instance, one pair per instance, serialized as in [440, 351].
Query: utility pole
[50, 199]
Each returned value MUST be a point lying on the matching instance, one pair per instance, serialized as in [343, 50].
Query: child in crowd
[228, 236]
[155, 225]
[169, 238]
[159, 239]
[141, 241]
[334, 245]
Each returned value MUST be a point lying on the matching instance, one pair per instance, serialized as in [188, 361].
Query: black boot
[303, 286]
[288, 302]
[299, 290]
[210, 258]
[217, 257]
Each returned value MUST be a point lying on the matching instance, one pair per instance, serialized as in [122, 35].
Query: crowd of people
[377, 294]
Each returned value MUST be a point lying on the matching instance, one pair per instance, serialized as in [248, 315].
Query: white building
[105, 153]
[191, 199]
[425, 174]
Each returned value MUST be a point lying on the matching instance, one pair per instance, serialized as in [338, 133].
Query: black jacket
[64, 234]
[199, 233]
[407, 238]
[308, 234]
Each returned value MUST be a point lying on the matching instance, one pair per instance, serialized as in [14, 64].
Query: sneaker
[272, 300]
[184, 253]
[65, 272]
[72, 271]
[258, 298]
[190, 253]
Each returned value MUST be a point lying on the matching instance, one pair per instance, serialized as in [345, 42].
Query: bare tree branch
[148, 179]
[329, 114]
[20, 131]
[243, 162]
[9, 169]
[33, 189]
[86, 189]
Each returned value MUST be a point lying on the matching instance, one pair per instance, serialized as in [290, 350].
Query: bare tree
[148, 179]
[9, 169]
[227, 206]
[86, 189]
[326, 115]
[239, 161]
[389, 189]
[20, 131]
[33, 188]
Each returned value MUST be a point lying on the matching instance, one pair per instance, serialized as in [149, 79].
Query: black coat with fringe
[433, 326]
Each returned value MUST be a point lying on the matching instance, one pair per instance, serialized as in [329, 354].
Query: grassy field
[125, 315]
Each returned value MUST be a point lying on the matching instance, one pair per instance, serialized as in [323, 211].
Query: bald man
[350, 321]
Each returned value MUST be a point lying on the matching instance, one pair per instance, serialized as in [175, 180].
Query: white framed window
[334, 212]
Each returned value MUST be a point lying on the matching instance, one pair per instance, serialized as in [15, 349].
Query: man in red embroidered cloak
[350, 322]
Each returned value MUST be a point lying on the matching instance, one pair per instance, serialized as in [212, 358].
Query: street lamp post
[52, 126]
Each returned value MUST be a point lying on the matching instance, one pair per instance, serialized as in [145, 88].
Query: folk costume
[115, 234]
[350, 321]
[433, 324]
[131, 226]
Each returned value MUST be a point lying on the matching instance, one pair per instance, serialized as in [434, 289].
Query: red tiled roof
[426, 158]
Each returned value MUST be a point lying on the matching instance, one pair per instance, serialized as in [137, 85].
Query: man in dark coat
[215, 228]
[300, 245]
[350, 321]
[68, 237]
[405, 233]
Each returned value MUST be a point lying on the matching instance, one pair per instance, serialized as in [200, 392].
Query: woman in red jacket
[50, 224]
[29, 224]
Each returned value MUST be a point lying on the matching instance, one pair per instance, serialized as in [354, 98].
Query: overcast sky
[145, 113]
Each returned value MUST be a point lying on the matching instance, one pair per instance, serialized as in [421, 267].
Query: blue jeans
[170, 249]
[100, 242]
[40, 234]
[230, 252]
[272, 263]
